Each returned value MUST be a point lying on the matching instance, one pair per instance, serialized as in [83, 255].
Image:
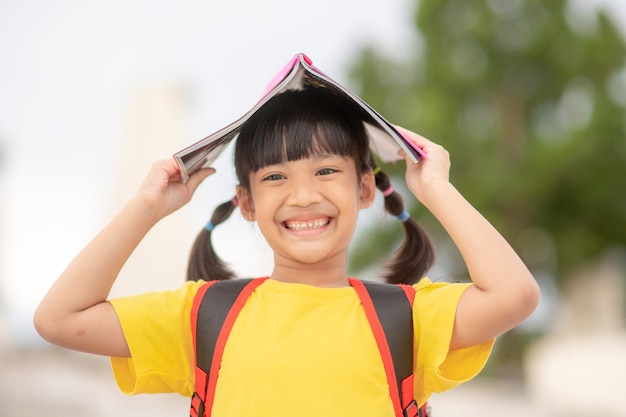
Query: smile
[307, 225]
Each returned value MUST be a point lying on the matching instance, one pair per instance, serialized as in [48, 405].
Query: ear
[246, 206]
[367, 192]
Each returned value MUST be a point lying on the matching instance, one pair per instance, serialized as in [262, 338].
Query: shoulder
[434, 312]
[426, 290]
[150, 322]
[437, 301]
[167, 301]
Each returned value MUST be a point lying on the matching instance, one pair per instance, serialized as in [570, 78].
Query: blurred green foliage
[529, 97]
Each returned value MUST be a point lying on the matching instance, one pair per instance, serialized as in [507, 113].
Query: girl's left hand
[504, 292]
[430, 171]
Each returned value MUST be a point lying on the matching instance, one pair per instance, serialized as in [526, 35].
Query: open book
[385, 140]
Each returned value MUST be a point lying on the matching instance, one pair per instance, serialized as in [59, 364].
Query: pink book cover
[385, 139]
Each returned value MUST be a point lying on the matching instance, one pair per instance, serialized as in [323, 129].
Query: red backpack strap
[201, 377]
[389, 311]
[214, 311]
[408, 384]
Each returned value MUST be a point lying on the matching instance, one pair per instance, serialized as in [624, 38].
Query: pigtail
[416, 254]
[203, 261]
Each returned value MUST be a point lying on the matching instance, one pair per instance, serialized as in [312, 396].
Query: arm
[504, 293]
[74, 313]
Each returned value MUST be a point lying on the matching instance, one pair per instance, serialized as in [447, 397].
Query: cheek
[264, 207]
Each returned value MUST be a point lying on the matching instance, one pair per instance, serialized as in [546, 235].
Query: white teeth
[313, 224]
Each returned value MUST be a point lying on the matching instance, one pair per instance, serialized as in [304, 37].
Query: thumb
[197, 177]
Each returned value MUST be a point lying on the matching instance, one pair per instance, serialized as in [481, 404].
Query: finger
[419, 140]
[402, 154]
[197, 177]
[168, 165]
[407, 159]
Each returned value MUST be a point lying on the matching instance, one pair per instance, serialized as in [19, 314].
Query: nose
[303, 193]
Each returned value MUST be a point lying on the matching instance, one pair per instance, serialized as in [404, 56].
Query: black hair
[298, 124]
[416, 254]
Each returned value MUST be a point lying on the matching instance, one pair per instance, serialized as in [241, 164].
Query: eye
[274, 177]
[326, 171]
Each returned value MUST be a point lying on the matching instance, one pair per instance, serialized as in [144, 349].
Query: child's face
[307, 209]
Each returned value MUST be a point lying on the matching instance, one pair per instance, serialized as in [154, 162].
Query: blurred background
[528, 96]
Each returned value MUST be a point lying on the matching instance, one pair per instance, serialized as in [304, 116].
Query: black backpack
[388, 309]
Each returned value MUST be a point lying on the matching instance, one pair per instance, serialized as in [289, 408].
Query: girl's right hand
[75, 314]
[163, 190]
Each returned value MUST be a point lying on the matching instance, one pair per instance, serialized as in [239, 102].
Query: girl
[301, 344]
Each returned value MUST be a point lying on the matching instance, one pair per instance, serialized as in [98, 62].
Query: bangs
[299, 124]
[295, 139]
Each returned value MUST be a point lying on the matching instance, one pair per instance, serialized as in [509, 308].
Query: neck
[326, 276]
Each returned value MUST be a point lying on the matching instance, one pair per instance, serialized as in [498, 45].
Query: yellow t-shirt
[294, 349]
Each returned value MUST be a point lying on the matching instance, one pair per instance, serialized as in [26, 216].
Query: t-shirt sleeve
[157, 328]
[437, 368]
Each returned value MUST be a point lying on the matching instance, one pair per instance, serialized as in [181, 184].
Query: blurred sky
[68, 69]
